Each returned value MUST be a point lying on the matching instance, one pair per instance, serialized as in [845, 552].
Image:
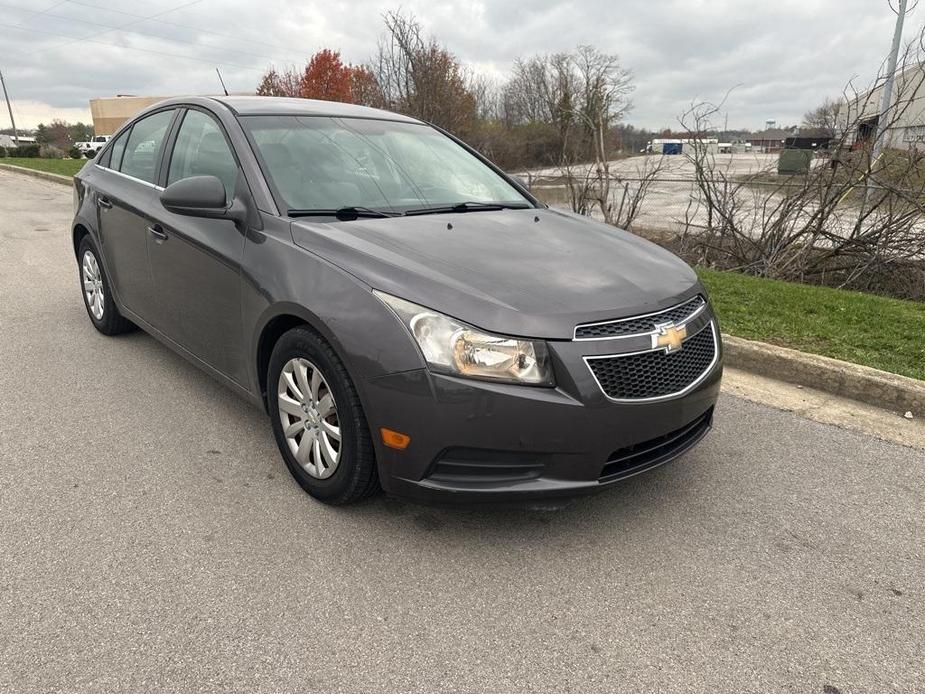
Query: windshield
[323, 163]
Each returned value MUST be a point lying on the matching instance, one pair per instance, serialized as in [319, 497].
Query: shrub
[28, 151]
[2, 152]
[75, 153]
[51, 152]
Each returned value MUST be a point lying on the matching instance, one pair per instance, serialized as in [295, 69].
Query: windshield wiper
[469, 206]
[344, 214]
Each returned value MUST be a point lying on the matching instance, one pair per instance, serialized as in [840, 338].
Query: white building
[905, 119]
[7, 141]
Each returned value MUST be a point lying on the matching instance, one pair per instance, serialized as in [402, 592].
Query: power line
[131, 48]
[123, 26]
[131, 31]
[45, 11]
[186, 26]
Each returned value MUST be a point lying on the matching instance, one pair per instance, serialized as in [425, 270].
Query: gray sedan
[410, 317]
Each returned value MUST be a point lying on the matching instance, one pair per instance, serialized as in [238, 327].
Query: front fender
[285, 280]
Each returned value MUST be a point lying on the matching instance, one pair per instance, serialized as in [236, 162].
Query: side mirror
[197, 196]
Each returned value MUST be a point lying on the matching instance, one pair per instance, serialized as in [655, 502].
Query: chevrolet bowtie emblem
[669, 336]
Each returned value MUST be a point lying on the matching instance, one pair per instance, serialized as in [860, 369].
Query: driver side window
[201, 150]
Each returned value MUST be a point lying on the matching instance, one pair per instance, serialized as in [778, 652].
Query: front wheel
[318, 421]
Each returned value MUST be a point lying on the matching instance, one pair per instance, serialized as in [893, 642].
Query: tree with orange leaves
[327, 77]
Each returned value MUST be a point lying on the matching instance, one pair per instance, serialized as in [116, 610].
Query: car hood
[530, 273]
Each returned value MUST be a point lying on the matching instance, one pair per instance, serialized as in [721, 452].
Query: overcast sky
[782, 56]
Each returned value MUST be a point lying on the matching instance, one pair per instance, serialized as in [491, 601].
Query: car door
[196, 261]
[126, 204]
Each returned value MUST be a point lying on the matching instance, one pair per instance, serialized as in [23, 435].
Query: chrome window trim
[131, 178]
[683, 391]
[687, 320]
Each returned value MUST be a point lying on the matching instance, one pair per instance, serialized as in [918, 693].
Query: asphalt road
[151, 540]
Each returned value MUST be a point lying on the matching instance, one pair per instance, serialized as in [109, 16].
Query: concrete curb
[45, 175]
[862, 383]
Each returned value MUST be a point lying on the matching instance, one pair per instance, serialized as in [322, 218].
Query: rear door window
[144, 144]
[113, 156]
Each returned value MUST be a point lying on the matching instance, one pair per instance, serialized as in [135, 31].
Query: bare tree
[285, 82]
[825, 118]
[419, 77]
[603, 98]
[546, 89]
[850, 224]
[487, 95]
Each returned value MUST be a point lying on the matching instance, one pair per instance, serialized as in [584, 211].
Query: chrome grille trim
[689, 387]
[701, 307]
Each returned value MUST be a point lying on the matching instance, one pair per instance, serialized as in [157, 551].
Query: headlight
[455, 348]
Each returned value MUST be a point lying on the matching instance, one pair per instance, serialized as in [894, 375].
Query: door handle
[157, 231]
[103, 202]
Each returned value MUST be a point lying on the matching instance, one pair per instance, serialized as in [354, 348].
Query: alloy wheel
[308, 413]
[93, 285]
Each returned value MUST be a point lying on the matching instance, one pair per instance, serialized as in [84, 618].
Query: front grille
[641, 456]
[640, 324]
[655, 374]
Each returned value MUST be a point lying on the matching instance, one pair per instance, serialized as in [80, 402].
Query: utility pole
[887, 100]
[10, 109]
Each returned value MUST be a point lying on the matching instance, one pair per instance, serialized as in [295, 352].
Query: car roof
[275, 105]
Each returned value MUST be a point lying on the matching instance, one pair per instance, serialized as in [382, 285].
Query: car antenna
[224, 88]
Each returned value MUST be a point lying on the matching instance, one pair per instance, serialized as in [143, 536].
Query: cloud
[781, 58]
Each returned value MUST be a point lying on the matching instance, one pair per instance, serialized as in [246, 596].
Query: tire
[332, 471]
[102, 311]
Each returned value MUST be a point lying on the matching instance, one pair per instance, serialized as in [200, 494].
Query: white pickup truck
[93, 147]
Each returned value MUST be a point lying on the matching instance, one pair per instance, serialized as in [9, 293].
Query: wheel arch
[282, 320]
[77, 235]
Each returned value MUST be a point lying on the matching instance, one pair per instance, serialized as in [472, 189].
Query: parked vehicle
[407, 314]
[92, 148]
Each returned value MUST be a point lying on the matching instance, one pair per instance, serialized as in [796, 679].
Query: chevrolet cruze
[410, 317]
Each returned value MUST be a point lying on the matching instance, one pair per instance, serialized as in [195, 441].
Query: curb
[35, 173]
[861, 383]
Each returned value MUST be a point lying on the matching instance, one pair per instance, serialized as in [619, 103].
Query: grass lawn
[65, 167]
[886, 334]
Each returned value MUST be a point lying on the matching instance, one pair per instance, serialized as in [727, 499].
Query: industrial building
[905, 120]
[771, 140]
[110, 113]
[681, 146]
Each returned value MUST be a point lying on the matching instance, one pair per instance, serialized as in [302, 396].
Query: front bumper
[476, 441]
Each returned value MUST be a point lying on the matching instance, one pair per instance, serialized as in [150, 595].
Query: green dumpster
[794, 161]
